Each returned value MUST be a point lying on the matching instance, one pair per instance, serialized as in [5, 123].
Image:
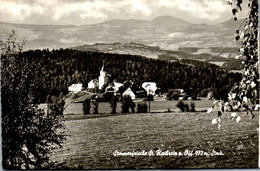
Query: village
[127, 88]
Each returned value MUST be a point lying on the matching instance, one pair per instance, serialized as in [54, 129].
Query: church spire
[102, 69]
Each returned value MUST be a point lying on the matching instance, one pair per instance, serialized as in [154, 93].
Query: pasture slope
[92, 142]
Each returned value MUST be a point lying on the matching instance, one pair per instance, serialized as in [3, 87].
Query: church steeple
[102, 79]
[102, 72]
[102, 69]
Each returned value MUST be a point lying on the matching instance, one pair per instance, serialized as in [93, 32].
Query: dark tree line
[61, 68]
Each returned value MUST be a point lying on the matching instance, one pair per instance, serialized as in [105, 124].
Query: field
[159, 105]
[97, 143]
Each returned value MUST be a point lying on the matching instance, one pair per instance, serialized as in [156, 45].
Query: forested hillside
[61, 68]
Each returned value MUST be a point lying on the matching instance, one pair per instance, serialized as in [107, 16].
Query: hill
[166, 32]
[217, 55]
[58, 69]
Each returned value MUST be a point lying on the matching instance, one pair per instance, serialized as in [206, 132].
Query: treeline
[61, 68]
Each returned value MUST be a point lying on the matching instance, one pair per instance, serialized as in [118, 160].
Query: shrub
[142, 107]
[183, 106]
[132, 106]
[192, 107]
[126, 103]
[86, 106]
[94, 106]
[173, 94]
[113, 104]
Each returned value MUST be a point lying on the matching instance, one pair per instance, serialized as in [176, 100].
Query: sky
[81, 12]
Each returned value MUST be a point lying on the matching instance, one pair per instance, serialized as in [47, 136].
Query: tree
[28, 133]
[247, 91]
[113, 103]
[126, 103]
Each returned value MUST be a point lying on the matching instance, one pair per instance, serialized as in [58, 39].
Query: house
[129, 92]
[75, 88]
[93, 83]
[150, 87]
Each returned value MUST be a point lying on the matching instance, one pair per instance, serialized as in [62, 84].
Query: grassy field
[92, 142]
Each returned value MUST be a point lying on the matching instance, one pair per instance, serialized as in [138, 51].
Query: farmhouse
[75, 88]
[93, 83]
[150, 87]
[129, 92]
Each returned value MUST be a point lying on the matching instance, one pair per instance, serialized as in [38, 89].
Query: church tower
[103, 78]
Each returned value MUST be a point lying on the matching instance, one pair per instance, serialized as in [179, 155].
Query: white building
[103, 78]
[75, 88]
[150, 87]
[130, 93]
[93, 83]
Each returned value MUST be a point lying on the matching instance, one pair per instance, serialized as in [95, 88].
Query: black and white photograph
[129, 84]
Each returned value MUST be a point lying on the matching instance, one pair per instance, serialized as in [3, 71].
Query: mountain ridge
[167, 32]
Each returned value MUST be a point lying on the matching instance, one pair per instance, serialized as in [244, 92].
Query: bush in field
[94, 104]
[126, 103]
[132, 106]
[192, 107]
[28, 133]
[86, 106]
[183, 106]
[142, 107]
[113, 104]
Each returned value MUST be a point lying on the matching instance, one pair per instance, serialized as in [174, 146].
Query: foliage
[173, 94]
[28, 133]
[192, 107]
[94, 104]
[132, 106]
[183, 106]
[248, 88]
[113, 104]
[126, 104]
[86, 106]
[142, 107]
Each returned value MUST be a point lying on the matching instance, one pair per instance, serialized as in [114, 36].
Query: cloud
[95, 9]
[204, 9]
[60, 10]
[133, 6]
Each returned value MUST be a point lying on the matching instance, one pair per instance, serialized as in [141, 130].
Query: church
[102, 79]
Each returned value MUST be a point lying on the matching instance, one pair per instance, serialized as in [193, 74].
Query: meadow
[99, 143]
[159, 105]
